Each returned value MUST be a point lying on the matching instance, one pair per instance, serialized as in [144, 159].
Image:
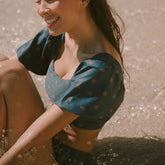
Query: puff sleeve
[95, 92]
[35, 54]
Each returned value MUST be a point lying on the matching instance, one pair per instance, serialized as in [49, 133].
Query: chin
[55, 32]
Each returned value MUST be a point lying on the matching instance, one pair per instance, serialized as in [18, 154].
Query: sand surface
[136, 133]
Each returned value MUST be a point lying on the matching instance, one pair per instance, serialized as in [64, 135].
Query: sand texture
[135, 135]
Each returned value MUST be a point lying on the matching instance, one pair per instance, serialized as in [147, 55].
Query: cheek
[50, 8]
[70, 14]
[69, 8]
[56, 6]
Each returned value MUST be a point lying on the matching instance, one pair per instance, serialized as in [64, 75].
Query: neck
[84, 37]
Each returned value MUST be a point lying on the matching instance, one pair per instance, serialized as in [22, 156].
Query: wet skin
[78, 138]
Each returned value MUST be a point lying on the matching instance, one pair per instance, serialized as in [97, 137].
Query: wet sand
[135, 135]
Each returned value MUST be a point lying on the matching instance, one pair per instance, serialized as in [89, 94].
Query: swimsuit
[66, 155]
[95, 90]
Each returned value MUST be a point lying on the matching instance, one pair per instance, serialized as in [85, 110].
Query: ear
[85, 3]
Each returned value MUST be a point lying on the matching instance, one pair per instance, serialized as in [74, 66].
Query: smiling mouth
[52, 21]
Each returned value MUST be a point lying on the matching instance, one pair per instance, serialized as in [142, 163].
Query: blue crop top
[94, 92]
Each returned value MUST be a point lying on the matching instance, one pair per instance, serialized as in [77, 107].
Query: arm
[43, 129]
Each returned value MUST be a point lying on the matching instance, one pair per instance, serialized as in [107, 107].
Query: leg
[22, 104]
[2, 116]
[2, 57]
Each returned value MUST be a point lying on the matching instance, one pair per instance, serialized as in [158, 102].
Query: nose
[43, 8]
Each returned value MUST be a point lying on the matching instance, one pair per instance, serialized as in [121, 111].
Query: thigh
[3, 116]
[2, 57]
[23, 105]
[23, 102]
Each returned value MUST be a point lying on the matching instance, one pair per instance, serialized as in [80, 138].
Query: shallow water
[135, 133]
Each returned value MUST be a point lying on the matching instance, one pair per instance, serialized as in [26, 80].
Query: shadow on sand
[129, 151]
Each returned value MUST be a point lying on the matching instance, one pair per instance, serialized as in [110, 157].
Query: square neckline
[112, 59]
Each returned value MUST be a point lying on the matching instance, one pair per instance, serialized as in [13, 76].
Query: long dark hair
[103, 15]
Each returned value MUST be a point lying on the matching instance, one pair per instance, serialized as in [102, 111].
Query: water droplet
[18, 11]
[3, 28]
[19, 156]
[89, 142]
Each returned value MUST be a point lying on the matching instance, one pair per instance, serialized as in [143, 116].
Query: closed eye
[38, 1]
[49, 1]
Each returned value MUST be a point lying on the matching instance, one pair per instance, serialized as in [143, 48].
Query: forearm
[41, 131]
[27, 141]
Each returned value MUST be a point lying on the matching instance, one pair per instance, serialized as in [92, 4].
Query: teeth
[52, 20]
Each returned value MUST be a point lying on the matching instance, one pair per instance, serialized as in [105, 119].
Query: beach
[135, 135]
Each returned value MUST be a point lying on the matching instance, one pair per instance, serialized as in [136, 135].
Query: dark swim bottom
[66, 155]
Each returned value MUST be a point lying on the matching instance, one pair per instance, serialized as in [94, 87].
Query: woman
[79, 52]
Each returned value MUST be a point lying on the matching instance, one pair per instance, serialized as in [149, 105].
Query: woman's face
[60, 15]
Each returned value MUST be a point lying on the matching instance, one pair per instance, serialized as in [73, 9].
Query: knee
[11, 71]
[2, 57]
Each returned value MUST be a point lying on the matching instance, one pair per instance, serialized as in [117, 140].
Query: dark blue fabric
[36, 53]
[66, 155]
[94, 92]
